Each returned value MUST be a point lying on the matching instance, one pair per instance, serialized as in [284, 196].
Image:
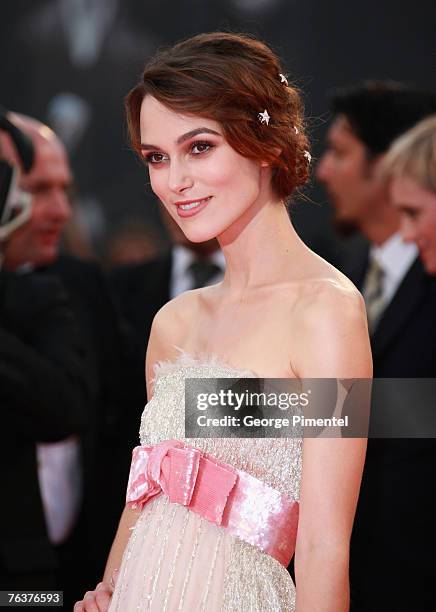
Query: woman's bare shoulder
[328, 289]
[175, 318]
[173, 323]
[170, 329]
[332, 336]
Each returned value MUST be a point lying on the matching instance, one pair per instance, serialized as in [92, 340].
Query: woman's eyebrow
[181, 139]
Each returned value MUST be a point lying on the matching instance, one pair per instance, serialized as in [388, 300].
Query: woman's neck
[261, 247]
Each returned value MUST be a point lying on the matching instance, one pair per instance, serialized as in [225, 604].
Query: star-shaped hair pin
[283, 79]
[264, 117]
[308, 156]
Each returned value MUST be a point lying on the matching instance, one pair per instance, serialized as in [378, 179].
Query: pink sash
[250, 509]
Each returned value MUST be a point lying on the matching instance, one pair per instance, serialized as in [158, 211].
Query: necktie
[202, 271]
[373, 293]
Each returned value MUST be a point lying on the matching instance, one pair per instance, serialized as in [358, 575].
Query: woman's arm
[127, 522]
[333, 344]
[98, 600]
[129, 517]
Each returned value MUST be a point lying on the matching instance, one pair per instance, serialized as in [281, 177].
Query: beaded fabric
[176, 560]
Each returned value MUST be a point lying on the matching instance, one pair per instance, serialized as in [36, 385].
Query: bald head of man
[37, 241]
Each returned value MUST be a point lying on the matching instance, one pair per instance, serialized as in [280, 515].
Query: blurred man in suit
[93, 475]
[392, 567]
[43, 392]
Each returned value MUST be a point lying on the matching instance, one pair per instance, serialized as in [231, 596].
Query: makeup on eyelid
[148, 158]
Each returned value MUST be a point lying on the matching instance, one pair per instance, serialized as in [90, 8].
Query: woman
[410, 164]
[222, 134]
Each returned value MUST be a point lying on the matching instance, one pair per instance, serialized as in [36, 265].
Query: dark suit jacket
[43, 398]
[108, 365]
[394, 536]
[141, 290]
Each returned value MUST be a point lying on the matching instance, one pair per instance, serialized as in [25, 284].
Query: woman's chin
[199, 235]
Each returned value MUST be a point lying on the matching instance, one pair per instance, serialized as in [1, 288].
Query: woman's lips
[191, 207]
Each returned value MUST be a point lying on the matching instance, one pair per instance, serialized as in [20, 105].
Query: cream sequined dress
[176, 560]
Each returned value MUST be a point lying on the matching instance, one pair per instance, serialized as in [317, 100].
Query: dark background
[323, 44]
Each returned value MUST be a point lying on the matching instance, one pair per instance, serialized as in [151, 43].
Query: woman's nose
[179, 177]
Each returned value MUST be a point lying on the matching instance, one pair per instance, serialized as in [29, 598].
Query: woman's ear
[277, 152]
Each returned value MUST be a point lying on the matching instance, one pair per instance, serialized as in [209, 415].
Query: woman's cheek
[218, 176]
[157, 184]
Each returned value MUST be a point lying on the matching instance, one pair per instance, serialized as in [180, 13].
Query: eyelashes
[154, 158]
[199, 147]
[202, 145]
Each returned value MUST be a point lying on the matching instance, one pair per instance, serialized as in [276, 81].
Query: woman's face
[202, 182]
[418, 217]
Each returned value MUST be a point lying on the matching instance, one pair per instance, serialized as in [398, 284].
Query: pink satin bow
[247, 507]
[174, 469]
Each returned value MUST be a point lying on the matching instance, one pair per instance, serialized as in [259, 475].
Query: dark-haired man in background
[394, 537]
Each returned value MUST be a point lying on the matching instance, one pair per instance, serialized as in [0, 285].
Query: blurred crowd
[73, 334]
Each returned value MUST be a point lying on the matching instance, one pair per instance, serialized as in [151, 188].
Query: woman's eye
[200, 147]
[155, 158]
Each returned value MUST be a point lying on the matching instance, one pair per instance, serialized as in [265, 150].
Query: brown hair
[414, 155]
[231, 78]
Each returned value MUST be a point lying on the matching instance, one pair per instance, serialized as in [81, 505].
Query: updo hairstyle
[231, 78]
